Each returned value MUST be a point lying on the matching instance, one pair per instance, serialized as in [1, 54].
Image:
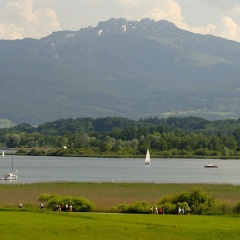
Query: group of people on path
[157, 211]
[68, 207]
[162, 210]
[181, 211]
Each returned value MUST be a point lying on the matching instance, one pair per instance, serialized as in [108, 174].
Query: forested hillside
[170, 137]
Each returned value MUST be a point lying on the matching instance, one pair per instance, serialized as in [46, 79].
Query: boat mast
[12, 163]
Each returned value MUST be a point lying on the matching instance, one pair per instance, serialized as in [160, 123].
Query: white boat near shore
[12, 175]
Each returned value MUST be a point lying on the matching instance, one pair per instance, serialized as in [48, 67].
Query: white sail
[147, 159]
[3, 154]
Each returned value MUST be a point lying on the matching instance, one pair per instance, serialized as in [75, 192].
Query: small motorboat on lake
[211, 165]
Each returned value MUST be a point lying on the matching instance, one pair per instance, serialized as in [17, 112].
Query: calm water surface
[62, 169]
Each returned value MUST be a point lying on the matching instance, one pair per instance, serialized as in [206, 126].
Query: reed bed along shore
[108, 195]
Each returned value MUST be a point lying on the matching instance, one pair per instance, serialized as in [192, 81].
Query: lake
[33, 169]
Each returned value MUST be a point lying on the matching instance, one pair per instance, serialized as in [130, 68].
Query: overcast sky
[39, 18]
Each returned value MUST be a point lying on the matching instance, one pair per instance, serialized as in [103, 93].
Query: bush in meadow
[79, 204]
[236, 208]
[221, 208]
[197, 201]
[140, 207]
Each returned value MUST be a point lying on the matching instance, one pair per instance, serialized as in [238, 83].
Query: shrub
[236, 209]
[198, 201]
[166, 199]
[36, 152]
[22, 151]
[46, 197]
[182, 197]
[169, 207]
[79, 204]
[123, 208]
[221, 208]
[141, 207]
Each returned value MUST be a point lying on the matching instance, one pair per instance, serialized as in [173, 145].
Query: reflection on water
[55, 169]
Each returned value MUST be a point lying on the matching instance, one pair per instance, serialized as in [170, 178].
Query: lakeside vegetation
[106, 196]
[189, 137]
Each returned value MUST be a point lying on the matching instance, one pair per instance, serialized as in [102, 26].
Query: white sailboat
[12, 175]
[3, 154]
[147, 158]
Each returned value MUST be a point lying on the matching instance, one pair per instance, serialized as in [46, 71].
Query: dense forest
[167, 137]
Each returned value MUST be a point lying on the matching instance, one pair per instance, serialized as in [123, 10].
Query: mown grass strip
[24, 225]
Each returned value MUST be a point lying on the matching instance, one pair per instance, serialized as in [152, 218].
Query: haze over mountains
[133, 69]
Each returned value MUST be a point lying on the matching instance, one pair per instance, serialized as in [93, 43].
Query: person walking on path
[179, 211]
[151, 209]
[156, 210]
[41, 206]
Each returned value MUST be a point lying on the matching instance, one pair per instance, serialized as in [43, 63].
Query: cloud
[171, 11]
[167, 10]
[222, 4]
[226, 27]
[18, 20]
[208, 29]
[129, 2]
[231, 7]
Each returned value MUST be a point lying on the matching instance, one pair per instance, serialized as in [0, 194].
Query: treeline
[112, 136]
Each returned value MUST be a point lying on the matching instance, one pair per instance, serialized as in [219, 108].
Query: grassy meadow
[22, 225]
[30, 222]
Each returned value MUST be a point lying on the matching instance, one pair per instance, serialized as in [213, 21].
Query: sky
[38, 18]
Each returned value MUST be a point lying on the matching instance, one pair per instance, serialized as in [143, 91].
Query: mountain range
[120, 68]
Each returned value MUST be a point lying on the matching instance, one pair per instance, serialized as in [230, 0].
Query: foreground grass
[24, 225]
[32, 223]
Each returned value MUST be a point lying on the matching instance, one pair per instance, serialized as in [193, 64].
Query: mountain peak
[124, 25]
[119, 68]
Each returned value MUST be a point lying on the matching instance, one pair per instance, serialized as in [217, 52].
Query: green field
[24, 225]
[30, 222]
